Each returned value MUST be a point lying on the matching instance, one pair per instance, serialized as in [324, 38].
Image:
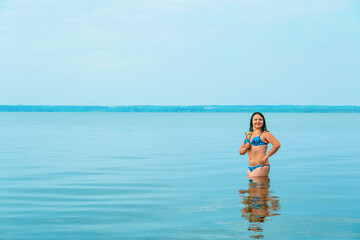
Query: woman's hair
[251, 128]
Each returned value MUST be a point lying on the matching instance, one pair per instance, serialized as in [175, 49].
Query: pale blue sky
[180, 52]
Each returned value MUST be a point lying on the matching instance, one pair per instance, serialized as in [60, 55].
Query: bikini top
[256, 141]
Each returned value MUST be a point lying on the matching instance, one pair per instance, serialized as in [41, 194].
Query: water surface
[176, 176]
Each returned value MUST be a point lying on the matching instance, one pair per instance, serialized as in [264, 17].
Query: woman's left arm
[276, 145]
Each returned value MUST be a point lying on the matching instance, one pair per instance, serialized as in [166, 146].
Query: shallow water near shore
[176, 176]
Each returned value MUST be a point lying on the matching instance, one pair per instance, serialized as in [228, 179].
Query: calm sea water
[176, 176]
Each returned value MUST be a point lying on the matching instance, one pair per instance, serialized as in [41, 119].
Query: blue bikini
[256, 142]
[253, 168]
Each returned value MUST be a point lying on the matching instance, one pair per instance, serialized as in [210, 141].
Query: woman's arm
[276, 145]
[242, 149]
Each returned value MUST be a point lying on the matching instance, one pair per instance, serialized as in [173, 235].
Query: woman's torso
[257, 152]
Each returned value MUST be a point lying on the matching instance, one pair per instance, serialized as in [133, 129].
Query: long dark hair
[251, 128]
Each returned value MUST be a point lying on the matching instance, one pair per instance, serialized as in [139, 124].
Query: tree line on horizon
[198, 108]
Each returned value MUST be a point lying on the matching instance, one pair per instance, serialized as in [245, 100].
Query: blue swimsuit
[256, 142]
[253, 168]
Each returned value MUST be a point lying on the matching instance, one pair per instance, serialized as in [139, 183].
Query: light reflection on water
[258, 204]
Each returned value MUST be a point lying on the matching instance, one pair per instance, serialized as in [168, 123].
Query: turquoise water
[176, 176]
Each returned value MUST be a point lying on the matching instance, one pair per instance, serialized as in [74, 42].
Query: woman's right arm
[243, 147]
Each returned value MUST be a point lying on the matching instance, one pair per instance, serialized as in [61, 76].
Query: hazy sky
[180, 52]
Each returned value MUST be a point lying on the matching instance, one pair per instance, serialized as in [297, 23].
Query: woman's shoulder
[266, 132]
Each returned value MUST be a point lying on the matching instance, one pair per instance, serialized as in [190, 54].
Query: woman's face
[257, 121]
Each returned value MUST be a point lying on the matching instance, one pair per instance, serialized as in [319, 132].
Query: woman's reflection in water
[258, 204]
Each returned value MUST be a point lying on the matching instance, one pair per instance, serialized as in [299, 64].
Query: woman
[259, 165]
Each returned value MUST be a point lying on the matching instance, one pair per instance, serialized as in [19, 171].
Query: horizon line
[193, 108]
[195, 105]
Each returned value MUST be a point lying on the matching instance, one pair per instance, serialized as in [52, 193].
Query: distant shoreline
[194, 108]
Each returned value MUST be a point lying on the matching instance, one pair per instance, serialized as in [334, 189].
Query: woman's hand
[247, 145]
[263, 160]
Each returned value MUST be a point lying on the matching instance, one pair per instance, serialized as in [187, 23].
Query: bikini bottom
[253, 168]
